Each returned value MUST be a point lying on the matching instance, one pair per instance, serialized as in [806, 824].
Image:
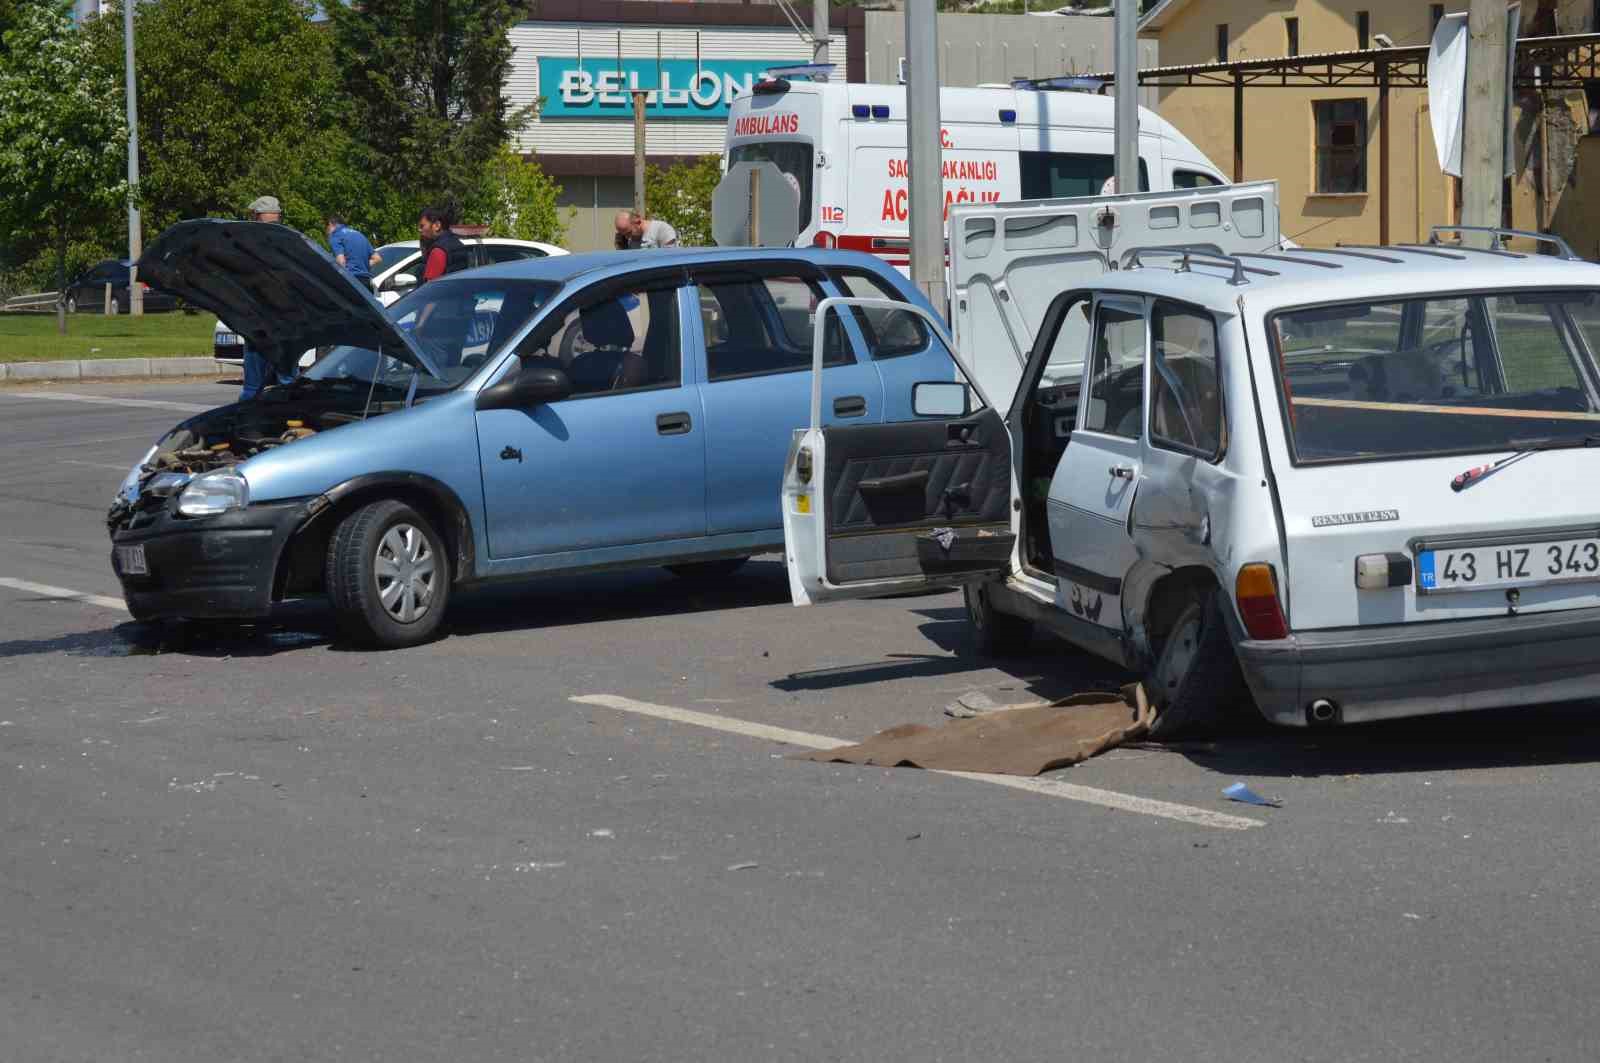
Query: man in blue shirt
[351, 249]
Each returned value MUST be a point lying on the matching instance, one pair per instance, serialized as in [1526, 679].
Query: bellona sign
[678, 88]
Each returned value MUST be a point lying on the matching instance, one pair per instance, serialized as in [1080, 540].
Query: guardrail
[36, 301]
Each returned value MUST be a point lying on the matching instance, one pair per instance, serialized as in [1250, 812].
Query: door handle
[673, 424]
[850, 406]
[1122, 472]
[511, 454]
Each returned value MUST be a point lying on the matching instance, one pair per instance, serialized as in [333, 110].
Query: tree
[518, 199]
[681, 197]
[63, 139]
[426, 83]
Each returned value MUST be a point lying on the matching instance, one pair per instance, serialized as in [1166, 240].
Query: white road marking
[65, 594]
[1200, 817]
[95, 464]
[109, 400]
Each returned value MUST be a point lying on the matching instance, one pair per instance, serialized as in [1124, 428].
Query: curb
[109, 369]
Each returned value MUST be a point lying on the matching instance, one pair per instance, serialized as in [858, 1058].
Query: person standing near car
[634, 230]
[442, 250]
[350, 247]
[258, 372]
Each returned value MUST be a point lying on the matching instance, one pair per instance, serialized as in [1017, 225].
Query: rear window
[1445, 374]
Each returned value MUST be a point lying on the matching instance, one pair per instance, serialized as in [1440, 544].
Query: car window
[510, 253]
[1193, 179]
[624, 341]
[763, 325]
[389, 254]
[1185, 388]
[888, 333]
[1116, 385]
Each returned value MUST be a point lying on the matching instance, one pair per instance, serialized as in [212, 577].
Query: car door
[1091, 494]
[754, 325]
[620, 459]
[881, 508]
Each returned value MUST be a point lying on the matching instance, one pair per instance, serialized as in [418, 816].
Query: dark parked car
[87, 291]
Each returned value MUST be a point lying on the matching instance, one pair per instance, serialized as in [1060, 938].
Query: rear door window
[762, 325]
[1116, 382]
[1059, 174]
[888, 333]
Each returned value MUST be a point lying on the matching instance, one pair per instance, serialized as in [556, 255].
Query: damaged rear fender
[301, 565]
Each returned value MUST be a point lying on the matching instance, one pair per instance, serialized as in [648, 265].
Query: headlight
[213, 493]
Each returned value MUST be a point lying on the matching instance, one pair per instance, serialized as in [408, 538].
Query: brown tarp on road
[1008, 742]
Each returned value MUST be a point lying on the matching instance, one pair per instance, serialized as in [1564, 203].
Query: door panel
[887, 485]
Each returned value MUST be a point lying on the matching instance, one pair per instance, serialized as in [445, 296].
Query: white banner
[1447, 88]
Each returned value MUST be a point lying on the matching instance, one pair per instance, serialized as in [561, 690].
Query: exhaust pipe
[1322, 712]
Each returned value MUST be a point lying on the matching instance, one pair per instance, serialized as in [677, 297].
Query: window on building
[1222, 42]
[1291, 27]
[1341, 146]
[1435, 13]
[1363, 29]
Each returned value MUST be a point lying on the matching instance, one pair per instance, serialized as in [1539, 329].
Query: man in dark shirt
[442, 250]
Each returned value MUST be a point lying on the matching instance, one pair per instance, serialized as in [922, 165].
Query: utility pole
[135, 237]
[1483, 153]
[819, 32]
[923, 151]
[1126, 86]
[638, 150]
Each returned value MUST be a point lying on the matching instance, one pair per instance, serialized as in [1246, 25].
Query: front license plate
[130, 561]
[1471, 568]
[227, 339]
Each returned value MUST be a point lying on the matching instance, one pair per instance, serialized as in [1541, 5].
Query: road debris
[743, 867]
[602, 832]
[1243, 794]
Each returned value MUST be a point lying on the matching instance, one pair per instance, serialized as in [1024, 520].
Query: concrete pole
[638, 150]
[923, 151]
[135, 235]
[819, 32]
[1127, 89]
[1483, 133]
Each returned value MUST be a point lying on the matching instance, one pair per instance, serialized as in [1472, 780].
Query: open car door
[1008, 261]
[879, 509]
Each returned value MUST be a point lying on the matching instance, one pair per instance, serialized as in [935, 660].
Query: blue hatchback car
[555, 415]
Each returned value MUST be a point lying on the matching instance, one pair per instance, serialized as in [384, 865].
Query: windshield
[389, 254]
[1446, 374]
[458, 321]
[793, 157]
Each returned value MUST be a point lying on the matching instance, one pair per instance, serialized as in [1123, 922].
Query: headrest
[606, 325]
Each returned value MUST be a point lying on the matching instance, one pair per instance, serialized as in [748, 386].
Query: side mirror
[940, 398]
[525, 389]
[403, 280]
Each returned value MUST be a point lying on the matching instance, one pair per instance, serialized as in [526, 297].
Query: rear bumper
[1419, 669]
[208, 568]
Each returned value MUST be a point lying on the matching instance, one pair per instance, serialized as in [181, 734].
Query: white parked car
[395, 276]
[1361, 475]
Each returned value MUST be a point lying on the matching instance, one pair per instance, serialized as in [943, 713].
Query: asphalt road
[249, 844]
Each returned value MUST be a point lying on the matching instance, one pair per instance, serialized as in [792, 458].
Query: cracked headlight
[129, 490]
[213, 493]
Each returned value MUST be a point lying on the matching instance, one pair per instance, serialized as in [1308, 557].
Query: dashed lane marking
[64, 594]
[1147, 806]
[109, 400]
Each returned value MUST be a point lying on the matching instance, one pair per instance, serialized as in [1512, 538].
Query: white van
[844, 146]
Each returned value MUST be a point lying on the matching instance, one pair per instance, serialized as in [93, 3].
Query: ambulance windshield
[793, 157]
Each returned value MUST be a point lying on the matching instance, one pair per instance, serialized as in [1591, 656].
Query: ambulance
[844, 148]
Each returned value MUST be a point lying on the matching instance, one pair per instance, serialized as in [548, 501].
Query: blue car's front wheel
[388, 575]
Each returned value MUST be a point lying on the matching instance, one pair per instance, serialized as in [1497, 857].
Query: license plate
[227, 339]
[130, 561]
[1471, 568]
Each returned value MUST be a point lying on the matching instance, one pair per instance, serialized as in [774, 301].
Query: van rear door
[1009, 260]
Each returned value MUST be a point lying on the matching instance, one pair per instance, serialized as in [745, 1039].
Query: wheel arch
[1165, 600]
[300, 566]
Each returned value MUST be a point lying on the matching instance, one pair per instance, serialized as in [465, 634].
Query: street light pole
[923, 151]
[1125, 113]
[1483, 132]
[135, 238]
[819, 32]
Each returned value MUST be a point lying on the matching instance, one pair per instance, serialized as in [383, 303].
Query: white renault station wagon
[1359, 476]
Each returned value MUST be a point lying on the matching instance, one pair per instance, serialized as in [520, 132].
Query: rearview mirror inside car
[940, 398]
[527, 388]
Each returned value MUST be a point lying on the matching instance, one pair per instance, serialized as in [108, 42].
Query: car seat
[612, 363]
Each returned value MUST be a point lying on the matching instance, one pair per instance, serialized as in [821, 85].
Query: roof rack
[1340, 249]
[1184, 254]
[1501, 236]
[1066, 83]
[1414, 249]
[1290, 258]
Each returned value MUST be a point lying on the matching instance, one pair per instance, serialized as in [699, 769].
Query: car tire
[1195, 679]
[722, 566]
[388, 576]
[994, 634]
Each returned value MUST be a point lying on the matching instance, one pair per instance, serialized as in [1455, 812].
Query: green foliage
[62, 133]
[517, 199]
[681, 197]
[425, 81]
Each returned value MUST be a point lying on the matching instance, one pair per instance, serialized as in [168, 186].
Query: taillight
[1256, 590]
[825, 239]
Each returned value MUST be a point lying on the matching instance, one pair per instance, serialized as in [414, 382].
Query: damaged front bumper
[1422, 668]
[218, 567]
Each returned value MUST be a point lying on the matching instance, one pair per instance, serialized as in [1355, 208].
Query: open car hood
[274, 287]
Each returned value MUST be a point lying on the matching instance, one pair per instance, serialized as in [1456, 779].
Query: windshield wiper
[1471, 476]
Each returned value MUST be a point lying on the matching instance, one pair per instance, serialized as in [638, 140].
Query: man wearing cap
[257, 370]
